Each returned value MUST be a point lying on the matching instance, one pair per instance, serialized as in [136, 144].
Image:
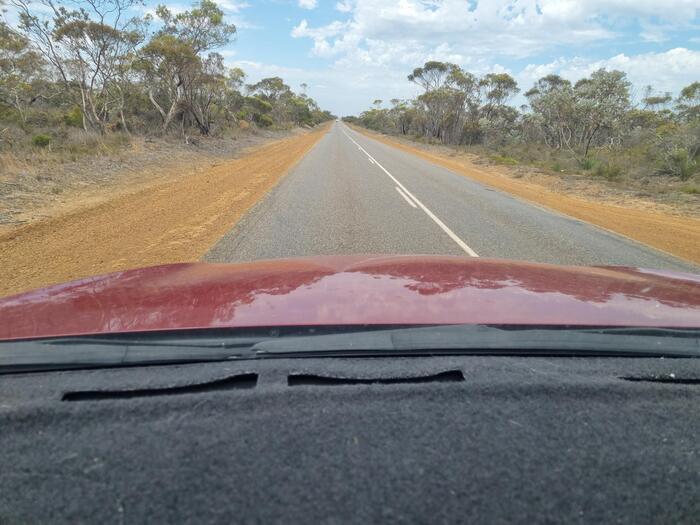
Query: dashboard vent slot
[450, 376]
[667, 379]
[241, 381]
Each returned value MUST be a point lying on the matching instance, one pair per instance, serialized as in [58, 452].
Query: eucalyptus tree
[496, 89]
[440, 100]
[688, 102]
[88, 47]
[574, 117]
[22, 72]
[602, 102]
[278, 94]
[553, 106]
[179, 75]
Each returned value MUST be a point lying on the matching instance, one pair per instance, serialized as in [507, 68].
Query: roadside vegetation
[88, 77]
[594, 127]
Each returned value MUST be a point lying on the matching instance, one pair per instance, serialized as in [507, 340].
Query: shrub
[587, 163]
[608, 171]
[264, 120]
[41, 140]
[691, 189]
[557, 166]
[8, 114]
[505, 161]
[682, 164]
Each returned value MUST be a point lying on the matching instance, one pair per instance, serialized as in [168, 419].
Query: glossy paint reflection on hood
[354, 290]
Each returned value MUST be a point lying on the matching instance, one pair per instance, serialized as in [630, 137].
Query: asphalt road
[354, 195]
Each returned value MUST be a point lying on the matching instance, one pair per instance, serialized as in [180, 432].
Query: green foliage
[138, 83]
[41, 140]
[676, 149]
[258, 104]
[504, 160]
[557, 166]
[202, 28]
[21, 70]
[588, 126]
[688, 103]
[264, 120]
[683, 164]
[300, 112]
[73, 118]
[608, 171]
[587, 163]
[270, 89]
[691, 189]
[8, 115]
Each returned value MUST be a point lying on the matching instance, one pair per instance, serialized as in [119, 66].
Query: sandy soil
[42, 185]
[668, 229]
[169, 221]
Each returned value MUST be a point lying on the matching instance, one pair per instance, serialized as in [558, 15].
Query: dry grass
[37, 183]
[175, 220]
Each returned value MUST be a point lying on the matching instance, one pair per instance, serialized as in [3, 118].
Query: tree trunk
[590, 139]
[182, 128]
[156, 105]
[121, 117]
[83, 111]
[171, 114]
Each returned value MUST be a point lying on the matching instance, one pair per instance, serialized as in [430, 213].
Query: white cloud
[666, 71]
[330, 88]
[319, 35]
[382, 31]
[677, 11]
[232, 6]
[350, 90]
[176, 9]
[233, 9]
[308, 4]
[376, 43]
[344, 6]
[655, 36]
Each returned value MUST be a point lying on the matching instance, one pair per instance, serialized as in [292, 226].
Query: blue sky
[351, 52]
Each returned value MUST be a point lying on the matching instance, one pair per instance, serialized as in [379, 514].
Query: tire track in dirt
[170, 222]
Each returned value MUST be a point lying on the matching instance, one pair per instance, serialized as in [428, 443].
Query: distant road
[353, 195]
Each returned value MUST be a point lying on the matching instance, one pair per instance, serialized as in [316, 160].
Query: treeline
[98, 67]
[592, 123]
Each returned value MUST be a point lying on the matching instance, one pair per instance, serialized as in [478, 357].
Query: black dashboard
[414, 440]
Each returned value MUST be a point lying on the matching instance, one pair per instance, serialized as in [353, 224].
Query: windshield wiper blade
[102, 352]
[135, 349]
[158, 349]
[157, 340]
[144, 348]
[489, 340]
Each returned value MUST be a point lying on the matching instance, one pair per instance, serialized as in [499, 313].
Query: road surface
[353, 195]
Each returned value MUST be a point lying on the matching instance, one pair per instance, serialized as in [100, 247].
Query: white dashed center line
[411, 199]
[408, 200]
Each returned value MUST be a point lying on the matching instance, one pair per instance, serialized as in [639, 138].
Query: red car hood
[354, 290]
